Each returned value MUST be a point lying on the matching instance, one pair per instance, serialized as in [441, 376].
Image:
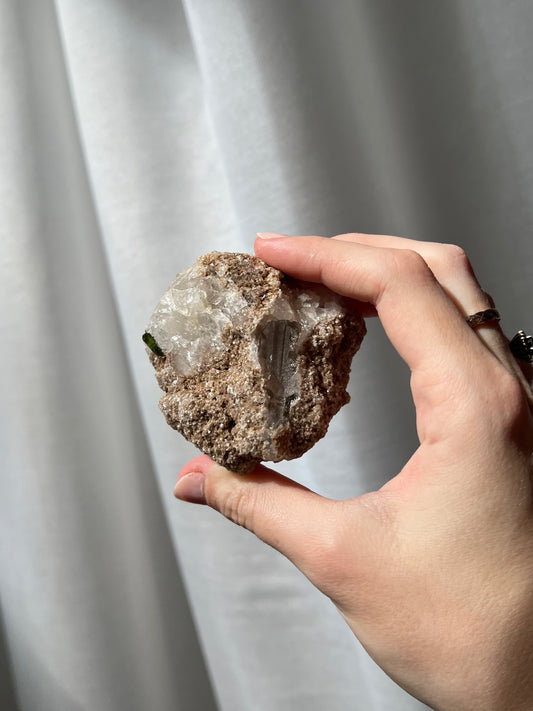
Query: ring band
[481, 317]
[521, 345]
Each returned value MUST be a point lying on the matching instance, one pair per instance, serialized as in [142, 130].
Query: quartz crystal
[253, 364]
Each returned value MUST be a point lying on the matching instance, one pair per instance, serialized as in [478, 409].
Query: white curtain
[136, 135]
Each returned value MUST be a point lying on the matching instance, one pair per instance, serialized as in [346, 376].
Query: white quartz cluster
[188, 322]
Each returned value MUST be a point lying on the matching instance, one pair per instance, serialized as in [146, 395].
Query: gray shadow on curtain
[444, 101]
[431, 79]
[69, 225]
[8, 699]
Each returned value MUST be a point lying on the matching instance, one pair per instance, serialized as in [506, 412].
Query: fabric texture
[135, 136]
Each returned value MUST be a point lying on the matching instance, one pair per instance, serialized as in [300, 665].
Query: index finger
[422, 322]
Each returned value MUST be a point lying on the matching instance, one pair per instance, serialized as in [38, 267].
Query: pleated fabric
[135, 136]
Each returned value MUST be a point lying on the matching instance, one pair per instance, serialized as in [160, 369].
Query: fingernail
[270, 235]
[191, 488]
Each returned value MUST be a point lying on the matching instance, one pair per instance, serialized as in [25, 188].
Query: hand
[433, 572]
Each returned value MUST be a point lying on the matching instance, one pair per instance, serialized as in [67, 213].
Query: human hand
[433, 572]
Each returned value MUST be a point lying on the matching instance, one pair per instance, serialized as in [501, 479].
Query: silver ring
[521, 346]
[481, 317]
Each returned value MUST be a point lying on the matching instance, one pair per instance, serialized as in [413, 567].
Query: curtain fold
[90, 585]
[134, 137]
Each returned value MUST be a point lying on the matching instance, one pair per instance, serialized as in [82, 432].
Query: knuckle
[410, 263]
[510, 397]
[236, 504]
[334, 550]
[329, 549]
[451, 265]
[453, 260]
[498, 407]
[344, 555]
[330, 560]
[454, 254]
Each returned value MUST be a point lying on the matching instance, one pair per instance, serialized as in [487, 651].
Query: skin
[433, 572]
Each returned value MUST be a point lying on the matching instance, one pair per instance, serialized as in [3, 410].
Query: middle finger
[453, 271]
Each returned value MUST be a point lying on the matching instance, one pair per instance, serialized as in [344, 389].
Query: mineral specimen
[253, 363]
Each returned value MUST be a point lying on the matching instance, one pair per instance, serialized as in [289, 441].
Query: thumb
[320, 536]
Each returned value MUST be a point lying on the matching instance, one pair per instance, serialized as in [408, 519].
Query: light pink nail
[191, 488]
[270, 235]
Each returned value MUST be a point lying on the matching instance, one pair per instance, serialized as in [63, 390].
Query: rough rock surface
[253, 364]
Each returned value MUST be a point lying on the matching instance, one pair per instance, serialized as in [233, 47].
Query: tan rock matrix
[254, 364]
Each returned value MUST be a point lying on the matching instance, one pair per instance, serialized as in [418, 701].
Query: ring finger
[453, 271]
